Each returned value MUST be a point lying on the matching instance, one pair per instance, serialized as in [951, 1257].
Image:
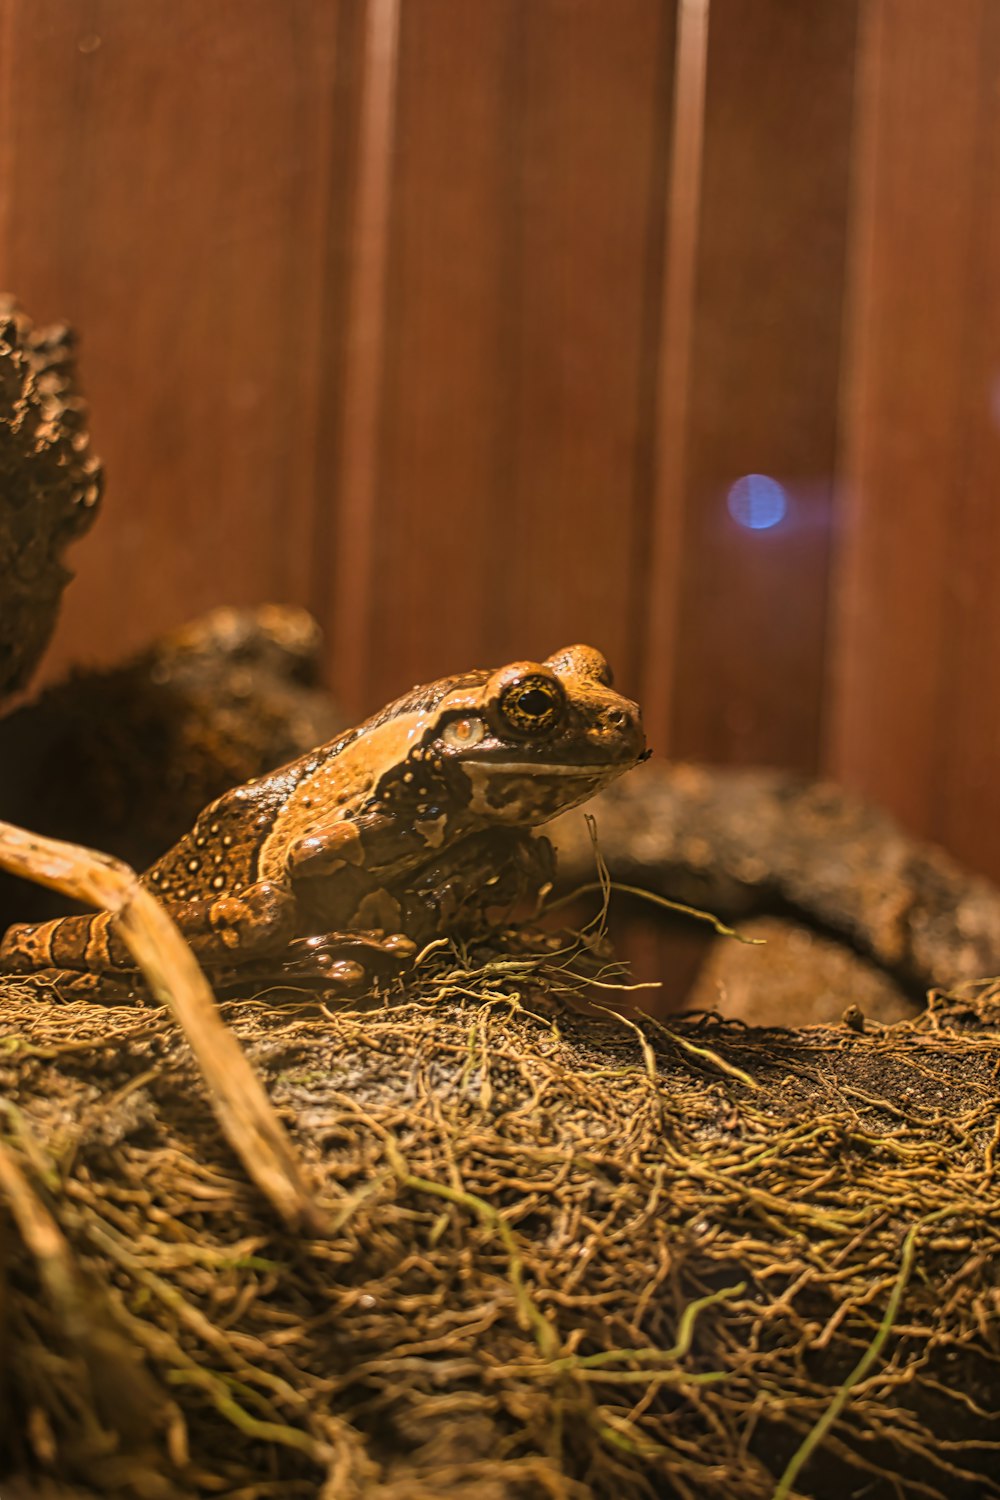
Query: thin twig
[243, 1109]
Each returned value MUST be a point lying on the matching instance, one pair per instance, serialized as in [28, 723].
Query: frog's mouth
[543, 768]
[532, 792]
[602, 763]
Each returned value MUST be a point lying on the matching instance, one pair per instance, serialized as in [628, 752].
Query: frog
[415, 825]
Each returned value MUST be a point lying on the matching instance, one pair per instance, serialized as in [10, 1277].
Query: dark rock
[743, 843]
[124, 759]
[50, 485]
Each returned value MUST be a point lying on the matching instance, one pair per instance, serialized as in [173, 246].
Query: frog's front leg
[342, 845]
[494, 871]
[353, 921]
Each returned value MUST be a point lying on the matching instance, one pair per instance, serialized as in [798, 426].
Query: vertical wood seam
[679, 284]
[354, 533]
[855, 365]
[303, 541]
[650, 345]
[506, 485]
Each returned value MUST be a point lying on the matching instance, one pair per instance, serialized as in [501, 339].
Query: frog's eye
[532, 706]
[462, 734]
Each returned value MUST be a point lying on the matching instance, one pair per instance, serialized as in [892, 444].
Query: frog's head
[535, 738]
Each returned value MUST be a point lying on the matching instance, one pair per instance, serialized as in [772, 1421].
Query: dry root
[566, 1256]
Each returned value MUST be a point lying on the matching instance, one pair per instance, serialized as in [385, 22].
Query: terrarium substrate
[556, 1252]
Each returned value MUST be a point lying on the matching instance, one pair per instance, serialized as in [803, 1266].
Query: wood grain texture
[912, 719]
[346, 541]
[166, 191]
[968, 810]
[587, 224]
[195, 188]
[517, 364]
[660, 568]
[765, 372]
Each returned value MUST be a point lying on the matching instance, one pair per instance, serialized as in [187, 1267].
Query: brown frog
[411, 826]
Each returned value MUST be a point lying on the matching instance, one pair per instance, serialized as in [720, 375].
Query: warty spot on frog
[408, 827]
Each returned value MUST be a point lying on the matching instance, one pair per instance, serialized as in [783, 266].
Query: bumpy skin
[408, 827]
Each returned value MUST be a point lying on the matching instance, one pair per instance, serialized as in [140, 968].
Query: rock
[743, 843]
[124, 759]
[50, 485]
[792, 976]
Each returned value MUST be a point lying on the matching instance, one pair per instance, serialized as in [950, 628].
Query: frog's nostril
[617, 718]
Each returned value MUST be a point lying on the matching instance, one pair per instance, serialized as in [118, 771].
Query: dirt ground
[557, 1252]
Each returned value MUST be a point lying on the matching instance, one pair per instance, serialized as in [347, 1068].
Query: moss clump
[568, 1255]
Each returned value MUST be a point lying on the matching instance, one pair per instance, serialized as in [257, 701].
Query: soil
[565, 1254]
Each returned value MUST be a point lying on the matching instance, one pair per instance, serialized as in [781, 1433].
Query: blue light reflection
[757, 502]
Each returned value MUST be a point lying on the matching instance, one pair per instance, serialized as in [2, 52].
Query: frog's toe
[343, 971]
[399, 945]
[261, 918]
[373, 947]
[227, 916]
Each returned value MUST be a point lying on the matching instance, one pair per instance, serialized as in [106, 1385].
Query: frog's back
[221, 851]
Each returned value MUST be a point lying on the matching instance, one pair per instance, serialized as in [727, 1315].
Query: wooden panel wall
[751, 636]
[457, 322]
[166, 189]
[914, 718]
[520, 313]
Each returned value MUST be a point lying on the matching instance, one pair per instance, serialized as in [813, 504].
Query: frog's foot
[229, 929]
[342, 960]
